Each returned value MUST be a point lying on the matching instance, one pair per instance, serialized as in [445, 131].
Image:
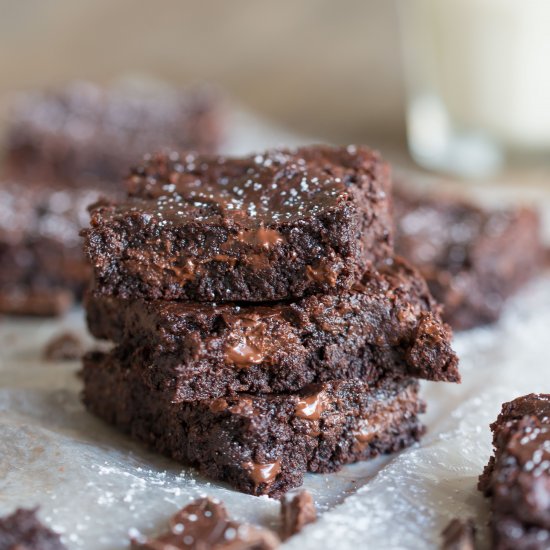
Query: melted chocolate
[262, 237]
[249, 345]
[243, 354]
[312, 406]
[263, 473]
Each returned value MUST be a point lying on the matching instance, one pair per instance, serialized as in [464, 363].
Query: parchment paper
[93, 484]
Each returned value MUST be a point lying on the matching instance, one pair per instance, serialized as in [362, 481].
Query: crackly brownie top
[204, 524]
[23, 531]
[264, 189]
[445, 231]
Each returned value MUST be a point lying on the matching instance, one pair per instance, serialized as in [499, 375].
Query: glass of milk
[478, 81]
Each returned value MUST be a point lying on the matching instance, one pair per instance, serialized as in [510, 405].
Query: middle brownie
[275, 226]
[387, 325]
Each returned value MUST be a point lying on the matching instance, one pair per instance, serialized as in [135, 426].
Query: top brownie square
[271, 226]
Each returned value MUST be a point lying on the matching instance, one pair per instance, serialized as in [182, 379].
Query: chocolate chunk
[297, 511]
[279, 225]
[459, 535]
[472, 258]
[517, 478]
[66, 346]
[22, 530]
[205, 525]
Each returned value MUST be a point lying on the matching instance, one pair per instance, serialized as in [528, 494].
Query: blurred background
[325, 68]
[467, 82]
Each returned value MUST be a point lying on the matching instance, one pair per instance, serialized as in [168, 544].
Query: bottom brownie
[259, 444]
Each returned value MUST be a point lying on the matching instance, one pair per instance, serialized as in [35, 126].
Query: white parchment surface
[93, 485]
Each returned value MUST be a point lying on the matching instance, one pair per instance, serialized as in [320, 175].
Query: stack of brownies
[263, 326]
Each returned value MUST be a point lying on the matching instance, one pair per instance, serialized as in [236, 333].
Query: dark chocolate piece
[387, 325]
[473, 259]
[205, 525]
[85, 135]
[297, 511]
[278, 225]
[258, 444]
[517, 478]
[22, 530]
[459, 535]
[66, 346]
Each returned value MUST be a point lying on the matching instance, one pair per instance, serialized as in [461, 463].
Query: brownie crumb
[204, 524]
[23, 531]
[460, 534]
[297, 511]
[66, 346]
[517, 477]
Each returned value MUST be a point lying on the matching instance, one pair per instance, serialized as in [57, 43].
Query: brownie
[272, 226]
[387, 324]
[84, 134]
[297, 511]
[42, 267]
[22, 530]
[258, 444]
[205, 525]
[517, 478]
[472, 258]
[460, 534]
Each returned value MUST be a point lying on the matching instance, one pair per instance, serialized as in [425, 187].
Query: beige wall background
[327, 67]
